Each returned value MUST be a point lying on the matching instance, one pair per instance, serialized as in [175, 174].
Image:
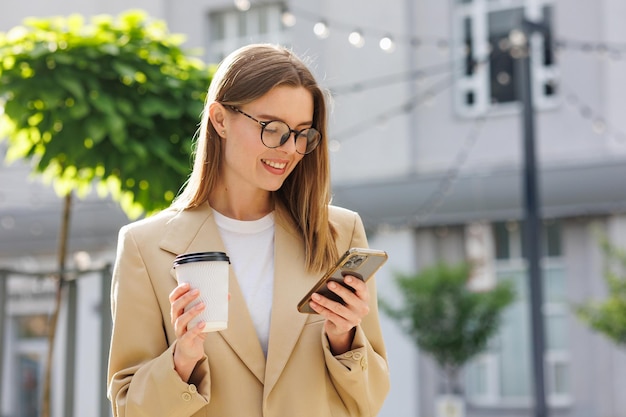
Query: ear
[217, 117]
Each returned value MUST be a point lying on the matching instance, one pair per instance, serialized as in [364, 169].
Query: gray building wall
[388, 132]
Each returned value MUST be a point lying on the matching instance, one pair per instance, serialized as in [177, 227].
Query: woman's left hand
[341, 320]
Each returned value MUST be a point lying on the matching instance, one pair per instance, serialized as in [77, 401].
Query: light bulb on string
[356, 39]
[321, 29]
[334, 145]
[242, 5]
[599, 126]
[288, 18]
[387, 44]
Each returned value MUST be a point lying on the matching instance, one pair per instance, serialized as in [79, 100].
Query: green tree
[608, 317]
[113, 103]
[445, 318]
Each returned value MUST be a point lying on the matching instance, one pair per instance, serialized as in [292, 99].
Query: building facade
[426, 142]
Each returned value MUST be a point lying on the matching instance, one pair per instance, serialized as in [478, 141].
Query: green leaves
[608, 316]
[444, 317]
[101, 102]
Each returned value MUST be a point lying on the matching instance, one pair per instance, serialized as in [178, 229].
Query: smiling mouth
[276, 165]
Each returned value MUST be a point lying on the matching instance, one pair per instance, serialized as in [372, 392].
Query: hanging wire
[390, 113]
[386, 80]
[359, 32]
[599, 123]
[407, 107]
[444, 188]
[612, 50]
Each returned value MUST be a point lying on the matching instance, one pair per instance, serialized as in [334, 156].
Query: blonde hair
[244, 76]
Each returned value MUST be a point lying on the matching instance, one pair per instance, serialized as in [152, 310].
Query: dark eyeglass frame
[284, 138]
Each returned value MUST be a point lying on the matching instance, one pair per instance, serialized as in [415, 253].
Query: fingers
[347, 316]
[360, 290]
[180, 298]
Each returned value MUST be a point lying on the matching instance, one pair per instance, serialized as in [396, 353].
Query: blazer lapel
[195, 231]
[290, 285]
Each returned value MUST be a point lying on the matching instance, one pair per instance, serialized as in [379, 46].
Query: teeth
[276, 165]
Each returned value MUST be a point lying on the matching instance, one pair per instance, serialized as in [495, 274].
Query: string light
[321, 29]
[599, 124]
[242, 5]
[356, 39]
[387, 44]
[386, 41]
[613, 51]
[288, 18]
[334, 145]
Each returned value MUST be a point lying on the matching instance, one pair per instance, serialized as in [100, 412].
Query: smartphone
[358, 262]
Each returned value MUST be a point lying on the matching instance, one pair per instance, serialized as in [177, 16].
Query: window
[29, 383]
[485, 72]
[231, 29]
[30, 303]
[503, 375]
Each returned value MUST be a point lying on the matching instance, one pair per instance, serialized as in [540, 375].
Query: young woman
[259, 191]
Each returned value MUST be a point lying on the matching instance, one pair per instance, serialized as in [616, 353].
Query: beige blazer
[300, 376]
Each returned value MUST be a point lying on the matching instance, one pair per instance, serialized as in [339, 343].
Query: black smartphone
[358, 262]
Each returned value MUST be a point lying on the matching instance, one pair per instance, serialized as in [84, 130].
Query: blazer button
[192, 389]
[364, 363]
[357, 356]
[186, 396]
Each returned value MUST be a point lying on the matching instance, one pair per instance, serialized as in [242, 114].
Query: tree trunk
[62, 254]
[452, 384]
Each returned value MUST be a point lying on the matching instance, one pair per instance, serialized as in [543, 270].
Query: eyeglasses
[275, 133]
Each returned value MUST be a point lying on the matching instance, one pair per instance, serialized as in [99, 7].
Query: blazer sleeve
[361, 375]
[141, 377]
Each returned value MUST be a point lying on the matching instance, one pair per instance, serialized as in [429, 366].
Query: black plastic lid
[200, 257]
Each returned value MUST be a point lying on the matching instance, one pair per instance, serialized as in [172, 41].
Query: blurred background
[427, 144]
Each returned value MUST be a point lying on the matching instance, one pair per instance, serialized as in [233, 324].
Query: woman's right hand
[190, 342]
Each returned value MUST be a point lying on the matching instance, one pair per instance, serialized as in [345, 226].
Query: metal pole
[70, 352]
[532, 225]
[411, 88]
[4, 277]
[105, 339]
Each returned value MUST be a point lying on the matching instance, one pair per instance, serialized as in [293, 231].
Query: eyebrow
[266, 117]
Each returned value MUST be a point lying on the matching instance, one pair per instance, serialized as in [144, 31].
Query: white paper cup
[208, 272]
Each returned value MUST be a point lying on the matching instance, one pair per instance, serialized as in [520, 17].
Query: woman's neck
[241, 206]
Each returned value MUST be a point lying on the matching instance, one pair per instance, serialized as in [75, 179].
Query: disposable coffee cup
[208, 272]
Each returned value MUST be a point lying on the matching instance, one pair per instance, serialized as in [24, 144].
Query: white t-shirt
[250, 247]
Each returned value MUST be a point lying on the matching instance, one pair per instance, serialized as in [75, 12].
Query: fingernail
[316, 297]
[348, 279]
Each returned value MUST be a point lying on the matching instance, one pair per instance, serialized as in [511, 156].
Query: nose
[290, 145]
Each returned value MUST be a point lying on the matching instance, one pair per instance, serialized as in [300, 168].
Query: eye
[271, 128]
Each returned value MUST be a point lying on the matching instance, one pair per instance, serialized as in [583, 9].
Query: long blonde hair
[244, 76]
